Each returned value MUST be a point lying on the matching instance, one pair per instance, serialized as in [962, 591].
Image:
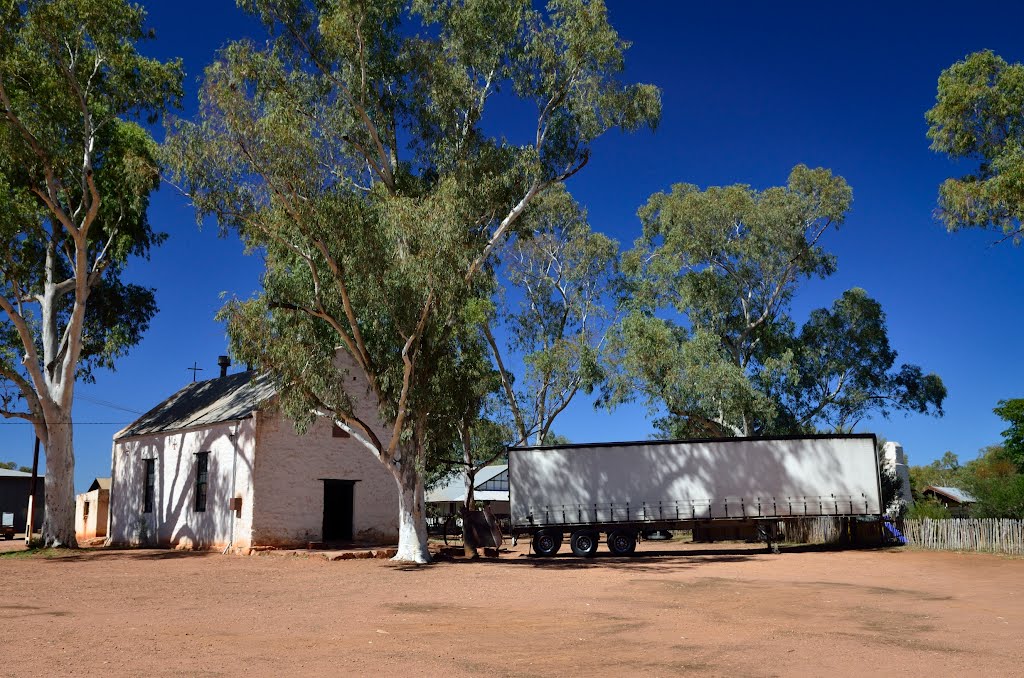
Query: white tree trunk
[59, 524]
[412, 522]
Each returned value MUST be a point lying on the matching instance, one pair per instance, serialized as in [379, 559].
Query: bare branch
[506, 381]
[31, 359]
[503, 227]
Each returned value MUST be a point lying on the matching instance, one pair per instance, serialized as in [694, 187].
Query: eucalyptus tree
[840, 368]
[555, 312]
[76, 172]
[1012, 412]
[352, 148]
[708, 337]
[978, 116]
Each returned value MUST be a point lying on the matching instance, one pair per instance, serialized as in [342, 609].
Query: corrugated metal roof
[455, 488]
[202, 403]
[954, 493]
[11, 473]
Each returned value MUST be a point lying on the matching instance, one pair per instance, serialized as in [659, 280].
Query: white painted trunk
[412, 523]
[59, 525]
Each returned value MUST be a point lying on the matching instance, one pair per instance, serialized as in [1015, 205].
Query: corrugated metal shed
[455, 488]
[203, 403]
[954, 493]
[11, 473]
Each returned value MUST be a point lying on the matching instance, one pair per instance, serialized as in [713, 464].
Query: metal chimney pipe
[225, 363]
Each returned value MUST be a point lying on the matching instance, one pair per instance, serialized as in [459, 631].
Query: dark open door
[338, 510]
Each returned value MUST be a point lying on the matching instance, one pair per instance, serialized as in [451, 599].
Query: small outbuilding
[490, 489]
[218, 466]
[14, 487]
[91, 510]
[957, 501]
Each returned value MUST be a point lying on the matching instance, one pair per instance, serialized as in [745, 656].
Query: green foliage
[13, 466]
[998, 496]
[708, 336]
[76, 172]
[1012, 412]
[352, 150]
[842, 369]
[553, 438]
[943, 472]
[555, 311]
[979, 116]
[992, 478]
[996, 482]
[928, 508]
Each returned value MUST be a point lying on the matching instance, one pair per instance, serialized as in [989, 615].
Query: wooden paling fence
[946, 534]
[965, 534]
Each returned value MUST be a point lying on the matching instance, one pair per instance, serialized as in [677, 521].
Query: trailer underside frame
[766, 527]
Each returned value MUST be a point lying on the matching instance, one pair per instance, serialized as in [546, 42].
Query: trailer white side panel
[694, 480]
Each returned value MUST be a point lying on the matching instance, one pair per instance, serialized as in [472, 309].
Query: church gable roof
[204, 403]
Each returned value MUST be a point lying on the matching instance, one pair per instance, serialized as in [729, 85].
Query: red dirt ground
[674, 609]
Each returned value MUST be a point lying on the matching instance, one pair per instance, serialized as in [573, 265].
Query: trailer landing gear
[766, 531]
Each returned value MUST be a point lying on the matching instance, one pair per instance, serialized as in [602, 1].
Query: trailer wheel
[547, 542]
[622, 542]
[584, 543]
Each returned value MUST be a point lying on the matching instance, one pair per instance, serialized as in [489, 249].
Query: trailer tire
[584, 543]
[547, 542]
[622, 542]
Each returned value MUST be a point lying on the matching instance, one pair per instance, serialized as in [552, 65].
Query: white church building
[217, 466]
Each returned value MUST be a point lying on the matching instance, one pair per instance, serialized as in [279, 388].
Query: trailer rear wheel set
[584, 542]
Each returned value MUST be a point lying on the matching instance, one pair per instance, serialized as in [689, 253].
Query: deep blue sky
[749, 90]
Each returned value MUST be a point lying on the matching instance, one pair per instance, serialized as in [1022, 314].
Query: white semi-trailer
[623, 489]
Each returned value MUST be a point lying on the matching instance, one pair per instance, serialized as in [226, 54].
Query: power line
[107, 403]
[73, 423]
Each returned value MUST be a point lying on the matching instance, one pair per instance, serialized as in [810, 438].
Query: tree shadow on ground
[646, 561]
[115, 553]
[661, 560]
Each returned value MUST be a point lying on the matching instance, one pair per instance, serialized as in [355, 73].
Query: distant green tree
[996, 483]
[552, 438]
[992, 478]
[76, 173]
[554, 308]
[979, 116]
[943, 472]
[707, 334]
[1012, 412]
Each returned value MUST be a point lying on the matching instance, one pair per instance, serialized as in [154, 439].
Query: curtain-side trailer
[621, 489]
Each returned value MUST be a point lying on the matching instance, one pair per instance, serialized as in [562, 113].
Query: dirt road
[678, 609]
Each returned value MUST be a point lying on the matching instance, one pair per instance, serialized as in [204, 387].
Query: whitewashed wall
[95, 524]
[174, 520]
[279, 477]
[290, 470]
